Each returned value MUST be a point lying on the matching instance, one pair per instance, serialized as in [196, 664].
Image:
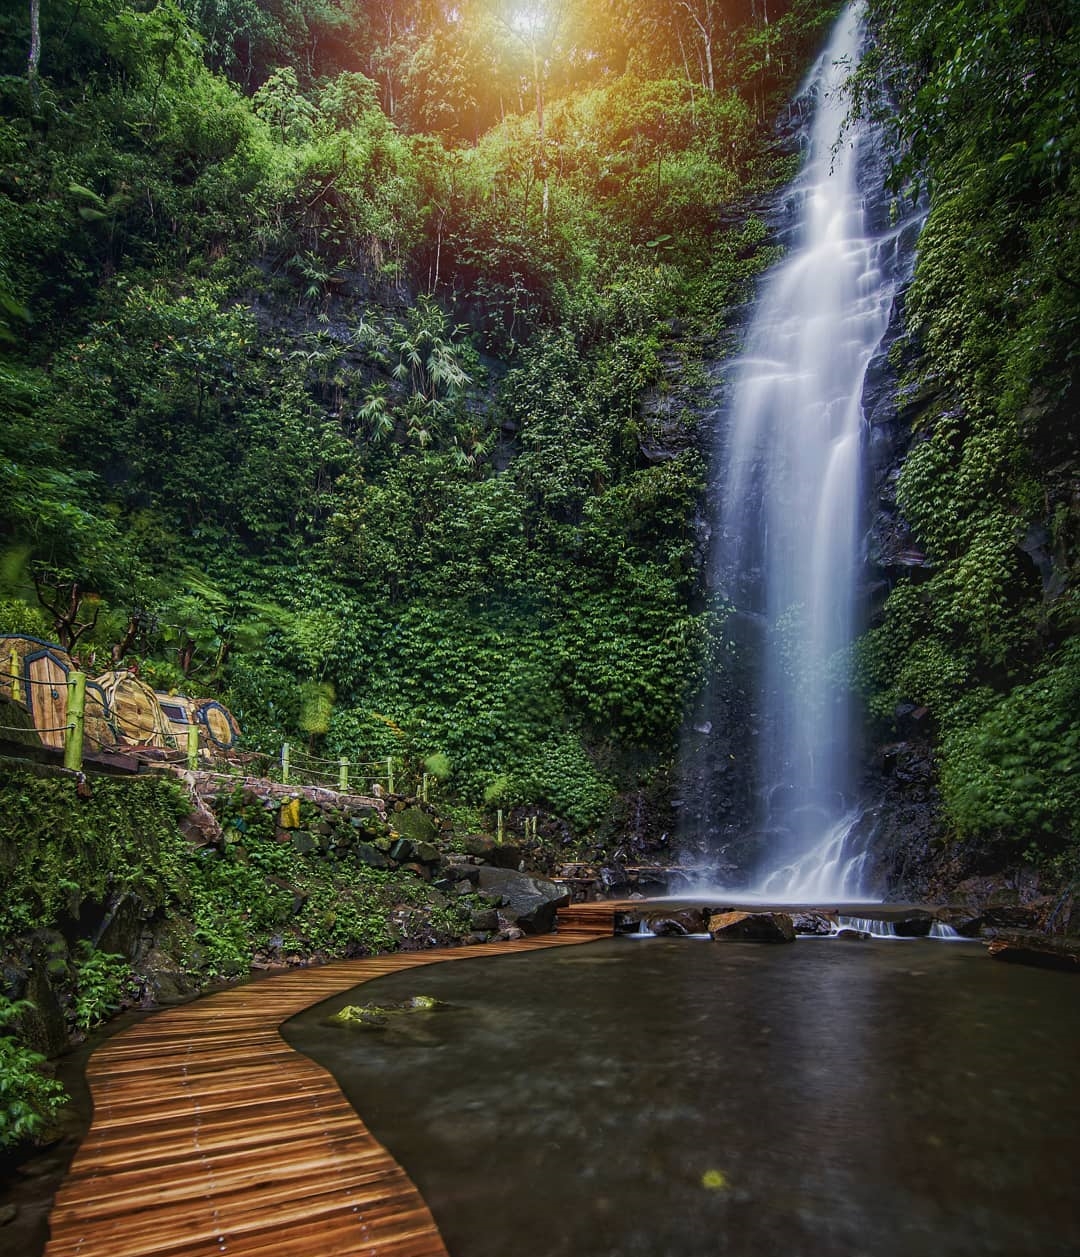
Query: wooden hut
[136, 712]
[35, 674]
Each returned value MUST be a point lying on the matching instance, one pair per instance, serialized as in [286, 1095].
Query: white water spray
[790, 492]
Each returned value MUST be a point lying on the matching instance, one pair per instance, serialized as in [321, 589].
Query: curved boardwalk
[211, 1136]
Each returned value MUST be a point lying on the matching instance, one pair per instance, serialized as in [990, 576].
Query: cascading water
[790, 493]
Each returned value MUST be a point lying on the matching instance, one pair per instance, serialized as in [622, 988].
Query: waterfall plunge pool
[670, 1098]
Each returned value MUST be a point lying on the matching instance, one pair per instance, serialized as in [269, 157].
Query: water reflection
[643, 1099]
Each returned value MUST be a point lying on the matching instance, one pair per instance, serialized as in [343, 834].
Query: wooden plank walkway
[211, 1136]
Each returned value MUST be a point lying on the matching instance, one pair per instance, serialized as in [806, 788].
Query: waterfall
[790, 494]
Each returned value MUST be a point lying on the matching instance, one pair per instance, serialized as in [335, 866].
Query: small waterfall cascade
[790, 494]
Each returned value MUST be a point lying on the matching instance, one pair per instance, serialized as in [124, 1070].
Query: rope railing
[33, 729]
[293, 765]
[343, 774]
[25, 680]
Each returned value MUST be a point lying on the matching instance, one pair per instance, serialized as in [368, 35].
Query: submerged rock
[363, 1016]
[753, 927]
[379, 1016]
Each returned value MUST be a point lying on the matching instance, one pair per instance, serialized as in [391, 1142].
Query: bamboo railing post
[389, 774]
[285, 763]
[16, 686]
[499, 832]
[76, 710]
[424, 787]
[343, 774]
[193, 746]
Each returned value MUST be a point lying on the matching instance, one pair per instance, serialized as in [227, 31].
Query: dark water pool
[673, 1097]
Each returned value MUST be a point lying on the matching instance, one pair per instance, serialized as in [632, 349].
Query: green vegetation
[223, 904]
[988, 643]
[328, 332]
[29, 1098]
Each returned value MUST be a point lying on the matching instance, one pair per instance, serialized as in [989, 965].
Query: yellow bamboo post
[16, 686]
[499, 826]
[76, 710]
[285, 763]
[424, 787]
[193, 746]
[389, 774]
[343, 774]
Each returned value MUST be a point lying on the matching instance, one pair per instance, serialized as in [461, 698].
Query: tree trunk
[34, 60]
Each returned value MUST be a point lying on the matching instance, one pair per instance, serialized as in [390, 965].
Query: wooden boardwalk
[211, 1136]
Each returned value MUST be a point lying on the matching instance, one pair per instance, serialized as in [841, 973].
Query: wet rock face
[753, 927]
[1028, 948]
[529, 903]
[915, 925]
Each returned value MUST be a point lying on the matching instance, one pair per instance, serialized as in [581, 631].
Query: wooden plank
[211, 1136]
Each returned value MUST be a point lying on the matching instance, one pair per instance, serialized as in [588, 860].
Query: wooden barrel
[99, 732]
[179, 712]
[136, 712]
[35, 673]
[218, 722]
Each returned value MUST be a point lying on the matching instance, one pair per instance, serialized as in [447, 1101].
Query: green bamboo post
[285, 763]
[389, 774]
[499, 826]
[193, 746]
[424, 787]
[76, 710]
[343, 774]
[16, 687]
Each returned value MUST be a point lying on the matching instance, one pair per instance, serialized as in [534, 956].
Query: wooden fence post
[343, 774]
[193, 747]
[285, 763]
[389, 774]
[76, 710]
[424, 788]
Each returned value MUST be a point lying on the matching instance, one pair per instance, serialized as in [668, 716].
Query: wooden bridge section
[211, 1136]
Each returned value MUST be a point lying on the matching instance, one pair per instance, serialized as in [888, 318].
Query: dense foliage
[988, 642]
[327, 333]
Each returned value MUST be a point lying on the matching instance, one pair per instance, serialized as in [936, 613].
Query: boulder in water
[753, 927]
[914, 925]
[531, 901]
[816, 923]
[676, 923]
